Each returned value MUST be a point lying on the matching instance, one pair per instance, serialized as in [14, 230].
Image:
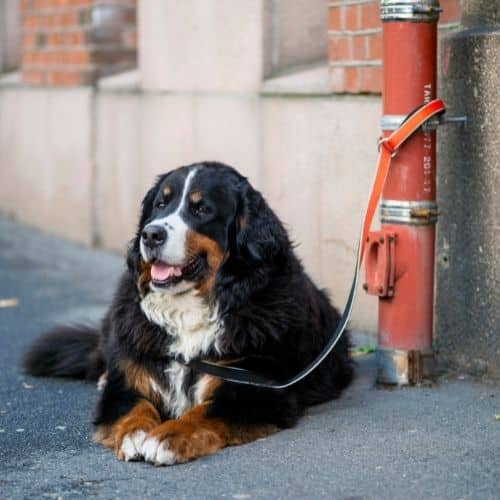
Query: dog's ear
[260, 237]
[258, 248]
[134, 250]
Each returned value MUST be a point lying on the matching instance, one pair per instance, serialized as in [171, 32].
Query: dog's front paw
[158, 452]
[175, 442]
[131, 446]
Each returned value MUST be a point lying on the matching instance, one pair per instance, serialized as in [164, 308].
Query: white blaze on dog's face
[170, 234]
[184, 237]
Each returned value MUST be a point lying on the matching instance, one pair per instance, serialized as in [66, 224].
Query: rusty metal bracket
[379, 263]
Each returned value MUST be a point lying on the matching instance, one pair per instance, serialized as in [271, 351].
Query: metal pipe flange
[410, 10]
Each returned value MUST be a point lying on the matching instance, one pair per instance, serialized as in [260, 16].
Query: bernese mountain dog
[212, 275]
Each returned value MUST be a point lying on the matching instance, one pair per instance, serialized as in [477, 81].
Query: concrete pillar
[467, 320]
[210, 45]
[9, 35]
[226, 46]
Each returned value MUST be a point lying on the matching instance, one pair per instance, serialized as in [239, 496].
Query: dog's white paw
[157, 452]
[132, 445]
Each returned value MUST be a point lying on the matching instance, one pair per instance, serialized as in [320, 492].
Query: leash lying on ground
[388, 147]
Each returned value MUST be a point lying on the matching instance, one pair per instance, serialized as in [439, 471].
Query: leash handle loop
[388, 148]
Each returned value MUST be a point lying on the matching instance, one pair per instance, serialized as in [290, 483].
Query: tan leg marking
[139, 380]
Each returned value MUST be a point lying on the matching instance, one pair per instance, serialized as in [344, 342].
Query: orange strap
[388, 148]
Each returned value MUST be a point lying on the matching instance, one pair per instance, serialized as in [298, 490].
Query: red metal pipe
[408, 207]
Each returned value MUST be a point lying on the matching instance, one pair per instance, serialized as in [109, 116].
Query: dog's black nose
[153, 236]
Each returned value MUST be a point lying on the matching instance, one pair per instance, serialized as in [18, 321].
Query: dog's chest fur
[196, 330]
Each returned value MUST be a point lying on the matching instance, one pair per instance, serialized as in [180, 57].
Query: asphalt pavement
[431, 442]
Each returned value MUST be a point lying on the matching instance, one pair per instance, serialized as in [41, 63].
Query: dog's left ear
[259, 237]
[134, 250]
[258, 247]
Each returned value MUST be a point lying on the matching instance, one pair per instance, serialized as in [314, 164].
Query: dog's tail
[69, 351]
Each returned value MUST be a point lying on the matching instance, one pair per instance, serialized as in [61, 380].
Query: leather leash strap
[388, 147]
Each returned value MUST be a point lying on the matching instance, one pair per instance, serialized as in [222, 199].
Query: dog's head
[198, 220]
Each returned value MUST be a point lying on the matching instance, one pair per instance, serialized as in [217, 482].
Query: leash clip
[387, 145]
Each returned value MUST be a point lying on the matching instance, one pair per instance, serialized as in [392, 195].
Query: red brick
[75, 38]
[55, 20]
[359, 47]
[370, 16]
[351, 17]
[375, 46]
[70, 77]
[58, 58]
[43, 58]
[352, 79]
[54, 39]
[34, 77]
[31, 21]
[334, 19]
[339, 48]
[43, 4]
[57, 78]
[452, 11]
[80, 57]
[28, 58]
[69, 18]
[28, 41]
[371, 79]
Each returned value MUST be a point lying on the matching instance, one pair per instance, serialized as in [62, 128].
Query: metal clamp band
[393, 122]
[414, 213]
[410, 10]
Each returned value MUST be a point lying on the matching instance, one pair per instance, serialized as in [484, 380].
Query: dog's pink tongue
[162, 272]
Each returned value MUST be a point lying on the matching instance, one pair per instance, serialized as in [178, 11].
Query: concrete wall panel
[46, 159]
[120, 169]
[227, 130]
[316, 172]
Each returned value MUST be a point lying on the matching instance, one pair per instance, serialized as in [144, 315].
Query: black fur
[274, 316]
[66, 352]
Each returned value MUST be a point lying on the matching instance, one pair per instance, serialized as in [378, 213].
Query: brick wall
[355, 43]
[73, 42]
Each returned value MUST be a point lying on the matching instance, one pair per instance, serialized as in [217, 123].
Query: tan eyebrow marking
[196, 196]
[167, 191]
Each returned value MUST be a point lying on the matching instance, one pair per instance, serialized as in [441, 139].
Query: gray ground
[440, 442]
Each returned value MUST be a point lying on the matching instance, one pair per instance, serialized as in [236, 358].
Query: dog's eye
[198, 210]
